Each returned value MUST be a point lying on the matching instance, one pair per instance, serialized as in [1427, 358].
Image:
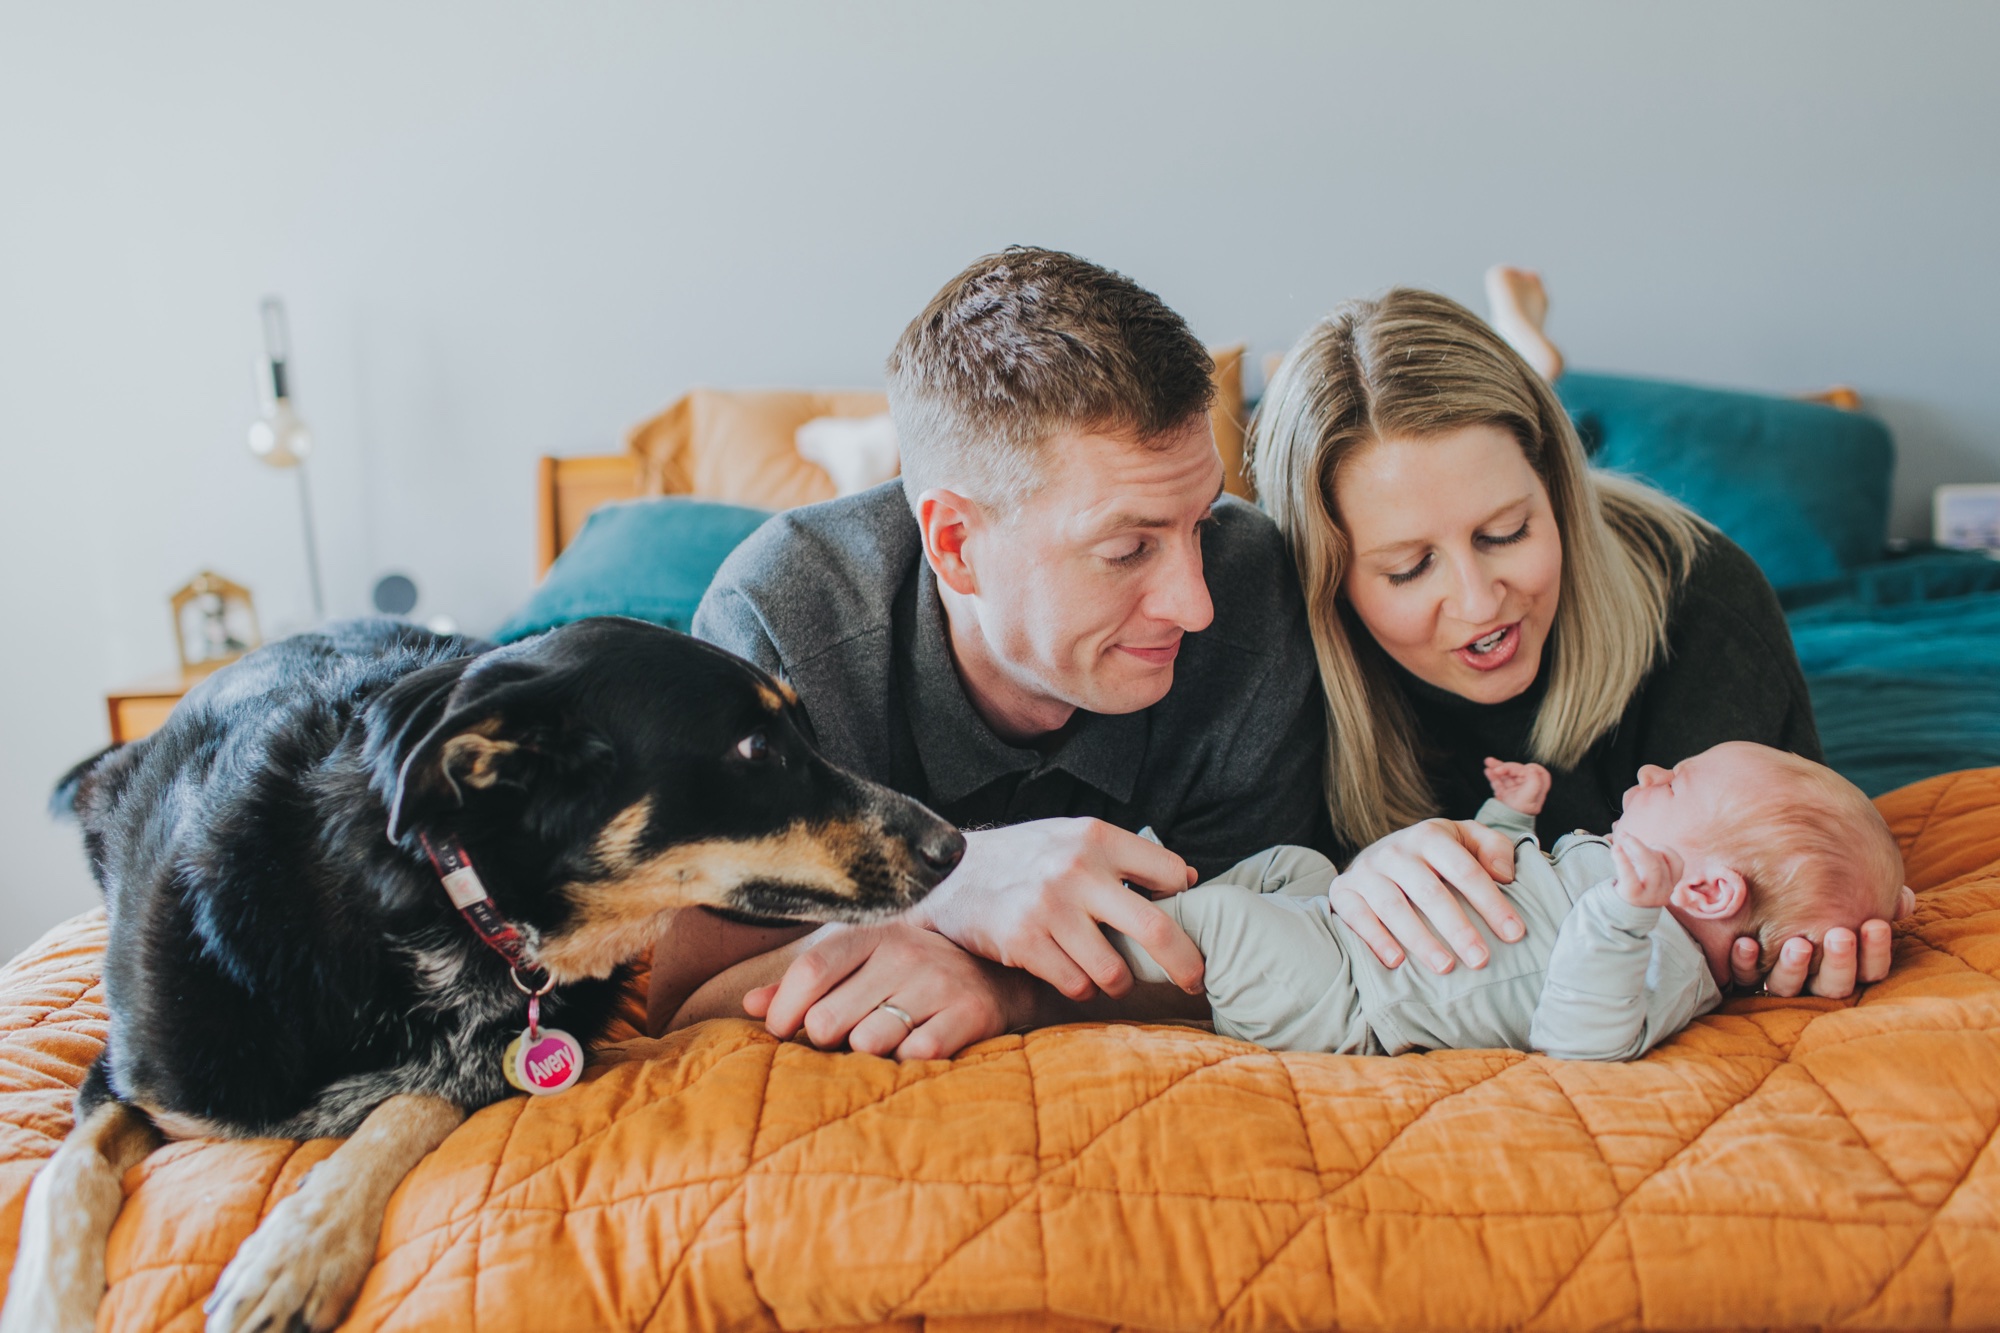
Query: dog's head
[611, 771]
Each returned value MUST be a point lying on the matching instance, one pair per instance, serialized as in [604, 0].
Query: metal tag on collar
[541, 1060]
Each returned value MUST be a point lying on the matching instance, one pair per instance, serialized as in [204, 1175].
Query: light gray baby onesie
[1594, 979]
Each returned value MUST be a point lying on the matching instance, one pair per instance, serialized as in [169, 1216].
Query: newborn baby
[1627, 939]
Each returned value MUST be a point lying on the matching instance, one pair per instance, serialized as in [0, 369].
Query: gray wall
[506, 229]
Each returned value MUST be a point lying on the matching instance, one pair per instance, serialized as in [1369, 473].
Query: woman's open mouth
[1491, 651]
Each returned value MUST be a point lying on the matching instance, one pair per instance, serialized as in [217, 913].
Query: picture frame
[215, 622]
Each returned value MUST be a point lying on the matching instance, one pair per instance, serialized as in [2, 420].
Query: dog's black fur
[282, 956]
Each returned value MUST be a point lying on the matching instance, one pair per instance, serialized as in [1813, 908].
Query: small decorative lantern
[215, 623]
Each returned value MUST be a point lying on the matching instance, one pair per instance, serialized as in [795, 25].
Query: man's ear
[1722, 895]
[948, 522]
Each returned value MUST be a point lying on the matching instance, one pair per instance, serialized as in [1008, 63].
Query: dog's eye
[755, 747]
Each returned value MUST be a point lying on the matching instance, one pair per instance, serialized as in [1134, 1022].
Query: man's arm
[696, 964]
[696, 947]
[1264, 786]
[837, 990]
[1037, 895]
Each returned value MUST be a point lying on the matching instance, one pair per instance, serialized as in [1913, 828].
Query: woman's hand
[1427, 868]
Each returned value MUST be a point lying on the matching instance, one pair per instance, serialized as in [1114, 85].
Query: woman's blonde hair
[1415, 365]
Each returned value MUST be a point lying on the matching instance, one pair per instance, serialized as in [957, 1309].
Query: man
[1055, 631]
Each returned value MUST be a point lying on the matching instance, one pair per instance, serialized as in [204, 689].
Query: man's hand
[1838, 969]
[1646, 877]
[835, 992]
[1033, 896]
[1522, 787]
[1426, 867]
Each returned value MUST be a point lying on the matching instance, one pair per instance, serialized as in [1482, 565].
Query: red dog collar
[469, 896]
[541, 1060]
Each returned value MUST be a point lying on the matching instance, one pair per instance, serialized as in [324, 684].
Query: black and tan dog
[284, 960]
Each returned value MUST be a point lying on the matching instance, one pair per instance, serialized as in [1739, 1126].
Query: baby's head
[1768, 844]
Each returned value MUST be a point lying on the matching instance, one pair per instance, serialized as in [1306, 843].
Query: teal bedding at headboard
[1902, 655]
[1903, 659]
[1803, 487]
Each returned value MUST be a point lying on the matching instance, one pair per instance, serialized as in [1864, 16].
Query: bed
[1788, 1163]
[1782, 1163]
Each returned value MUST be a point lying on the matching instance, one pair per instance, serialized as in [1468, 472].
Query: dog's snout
[942, 850]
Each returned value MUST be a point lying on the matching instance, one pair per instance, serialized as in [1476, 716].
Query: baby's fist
[1521, 787]
[1646, 878]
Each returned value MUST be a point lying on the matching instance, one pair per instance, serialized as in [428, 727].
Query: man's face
[1085, 590]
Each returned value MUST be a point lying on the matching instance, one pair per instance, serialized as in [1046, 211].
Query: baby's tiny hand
[1646, 877]
[1522, 787]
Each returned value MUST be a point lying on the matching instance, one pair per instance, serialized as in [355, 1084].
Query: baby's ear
[1906, 902]
[1718, 897]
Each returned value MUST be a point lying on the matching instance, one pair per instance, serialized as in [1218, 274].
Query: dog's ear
[71, 795]
[501, 726]
[398, 722]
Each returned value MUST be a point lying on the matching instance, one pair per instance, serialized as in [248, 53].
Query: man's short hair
[1025, 345]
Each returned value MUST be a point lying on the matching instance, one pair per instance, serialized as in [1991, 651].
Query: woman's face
[1456, 562]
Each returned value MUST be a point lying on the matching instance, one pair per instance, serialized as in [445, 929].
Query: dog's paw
[39, 1308]
[300, 1269]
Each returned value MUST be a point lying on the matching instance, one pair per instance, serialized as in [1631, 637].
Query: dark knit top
[1729, 673]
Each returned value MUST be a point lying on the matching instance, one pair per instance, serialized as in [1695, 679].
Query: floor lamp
[280, 438]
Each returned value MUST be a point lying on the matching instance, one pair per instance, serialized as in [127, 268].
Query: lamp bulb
[279, 437]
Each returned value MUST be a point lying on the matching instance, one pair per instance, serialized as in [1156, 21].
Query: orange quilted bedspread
[1790, 1163]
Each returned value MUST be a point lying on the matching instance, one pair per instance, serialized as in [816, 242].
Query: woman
[1476, 590]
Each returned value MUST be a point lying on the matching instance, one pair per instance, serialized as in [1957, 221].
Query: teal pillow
[1803, 487]
[650, 559]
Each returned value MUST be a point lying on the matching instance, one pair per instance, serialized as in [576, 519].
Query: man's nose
[1181, 596]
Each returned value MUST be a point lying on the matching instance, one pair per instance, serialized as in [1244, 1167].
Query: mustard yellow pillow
[1226, 416]
[741, 445]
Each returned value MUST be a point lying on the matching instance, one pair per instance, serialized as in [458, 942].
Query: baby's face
[1674, 809]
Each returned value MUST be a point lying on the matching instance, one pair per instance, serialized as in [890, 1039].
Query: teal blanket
[1903, 660]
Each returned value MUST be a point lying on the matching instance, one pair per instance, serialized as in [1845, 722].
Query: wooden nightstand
[139, 709]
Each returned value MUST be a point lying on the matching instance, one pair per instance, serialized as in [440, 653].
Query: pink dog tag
[543, 1062]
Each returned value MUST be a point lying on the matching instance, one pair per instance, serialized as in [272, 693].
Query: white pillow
[857, 452]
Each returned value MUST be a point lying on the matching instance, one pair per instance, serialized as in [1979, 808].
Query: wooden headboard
[568, 489]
